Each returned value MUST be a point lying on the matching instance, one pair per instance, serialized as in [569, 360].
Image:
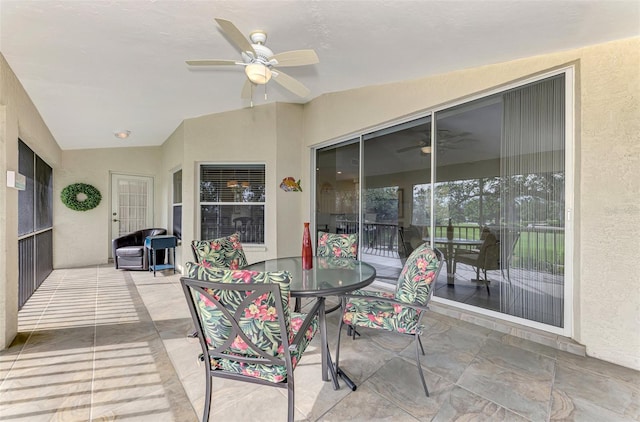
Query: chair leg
[424, 384]
[207, 396]
[421, 348]
[298, 305]
[291, 401]
[352, 332]
[486, 283]
[338, 345]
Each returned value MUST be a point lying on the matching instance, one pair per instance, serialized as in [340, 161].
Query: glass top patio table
[329, 276]
[448, 252]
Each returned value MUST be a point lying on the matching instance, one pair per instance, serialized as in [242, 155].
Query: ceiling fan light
[426, 150]
[258, 73]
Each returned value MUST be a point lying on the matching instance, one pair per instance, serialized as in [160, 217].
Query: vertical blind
[532, 197]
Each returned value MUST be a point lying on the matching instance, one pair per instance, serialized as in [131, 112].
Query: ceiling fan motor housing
[263, 54]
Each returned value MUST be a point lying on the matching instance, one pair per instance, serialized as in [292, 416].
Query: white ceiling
[96, 67]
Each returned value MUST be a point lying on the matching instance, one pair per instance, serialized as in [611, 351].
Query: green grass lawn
[534, 249]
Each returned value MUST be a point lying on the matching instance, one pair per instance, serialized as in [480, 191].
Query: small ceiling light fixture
[426, 150]
[258, 73]
[123, 134]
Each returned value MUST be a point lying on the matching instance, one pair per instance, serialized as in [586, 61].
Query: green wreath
[69, 196]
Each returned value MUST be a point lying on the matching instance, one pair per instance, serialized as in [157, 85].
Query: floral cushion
[224, 252]
[382, 315]
[260, 322]
[414, 286]
[337, 245]
[414, 283]
[273, 373]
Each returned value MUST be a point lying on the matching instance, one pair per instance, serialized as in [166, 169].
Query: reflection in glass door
[500, 188]
[496, 205]
[337, 188]
[395, 160]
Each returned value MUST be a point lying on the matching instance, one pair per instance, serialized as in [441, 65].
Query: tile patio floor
[97, 344]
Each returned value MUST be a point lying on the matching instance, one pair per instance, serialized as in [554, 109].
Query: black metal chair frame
[193, 286]
[416, 335]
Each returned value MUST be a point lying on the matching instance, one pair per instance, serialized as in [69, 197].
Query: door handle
[115, 220]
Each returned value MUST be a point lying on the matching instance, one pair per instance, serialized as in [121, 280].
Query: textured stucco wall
[172, 159]
[609, 202]
[606, 282]
[84, 238]
[290, 217]
[268, 134]
[240, 136]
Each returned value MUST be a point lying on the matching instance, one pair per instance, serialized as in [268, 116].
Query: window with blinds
[232, 199]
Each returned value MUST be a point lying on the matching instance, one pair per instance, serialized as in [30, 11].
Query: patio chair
[400, 312]
[129, 252]
[224, 252]
[486, 258]
[337, 245]
[334, 245]
[245, 328]
[410, 238]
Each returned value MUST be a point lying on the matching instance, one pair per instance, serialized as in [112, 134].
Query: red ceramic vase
[307, 253]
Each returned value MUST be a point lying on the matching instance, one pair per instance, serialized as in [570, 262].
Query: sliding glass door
[338, 188]
[483, 180]
[394, 160]
[500, 184]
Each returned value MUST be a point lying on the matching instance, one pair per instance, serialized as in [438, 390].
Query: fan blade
[296, 58]
[210, 62]
[236, 37]
[452, 136]
[246, 90]
[405, 149]
[291, 84]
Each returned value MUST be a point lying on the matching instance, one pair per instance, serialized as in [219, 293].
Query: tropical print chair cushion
[224, 252]
[337, 245]
[382, 315]
[414, 285]
[260, 322]
[272, 373]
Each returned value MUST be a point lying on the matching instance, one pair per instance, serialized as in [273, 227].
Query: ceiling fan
[446, 140]
[260, 64]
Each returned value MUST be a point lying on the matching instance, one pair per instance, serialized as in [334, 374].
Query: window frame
[175, 204]
[200, 203]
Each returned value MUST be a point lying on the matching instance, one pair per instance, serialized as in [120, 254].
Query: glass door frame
[570, 175]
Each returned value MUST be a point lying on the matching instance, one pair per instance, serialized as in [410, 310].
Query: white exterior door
[131, 203]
